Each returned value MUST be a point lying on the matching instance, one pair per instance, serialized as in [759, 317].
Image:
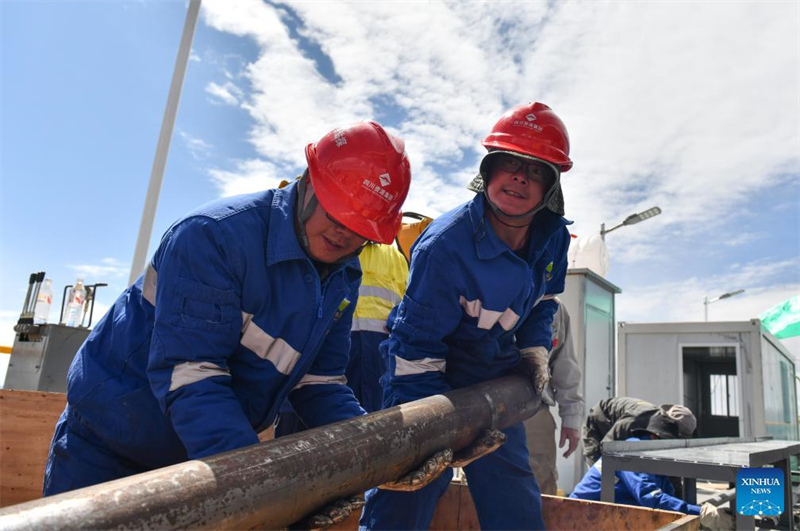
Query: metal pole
[276, 483]
[705, 305]
[164, 137]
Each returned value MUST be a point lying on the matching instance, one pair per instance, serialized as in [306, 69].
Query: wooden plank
[448, 511]
[467, 515]
[687, 523]
[570, 514]
[457, 512]
[27, 422]
[267, 435]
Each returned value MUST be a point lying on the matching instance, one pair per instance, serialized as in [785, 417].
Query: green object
[783, 320]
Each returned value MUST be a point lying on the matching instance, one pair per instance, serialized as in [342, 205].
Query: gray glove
[433, 467]
[487, 443]
[533, 362]
[716, 519]
[330, 515]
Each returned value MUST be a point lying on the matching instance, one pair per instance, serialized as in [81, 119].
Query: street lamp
[707, 301]
[633, 219]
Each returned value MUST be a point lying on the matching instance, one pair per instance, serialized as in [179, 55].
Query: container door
[711, 389]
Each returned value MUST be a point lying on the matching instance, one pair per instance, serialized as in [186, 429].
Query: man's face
[517, 186]
[328, 240]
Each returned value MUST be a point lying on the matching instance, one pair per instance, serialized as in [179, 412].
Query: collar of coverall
[548, 223]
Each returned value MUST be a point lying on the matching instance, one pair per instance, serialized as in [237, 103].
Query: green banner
[783, 320]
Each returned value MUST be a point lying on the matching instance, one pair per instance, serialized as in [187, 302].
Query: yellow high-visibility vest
[383, 283]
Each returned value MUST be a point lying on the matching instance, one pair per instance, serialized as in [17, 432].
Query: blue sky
[691, 106]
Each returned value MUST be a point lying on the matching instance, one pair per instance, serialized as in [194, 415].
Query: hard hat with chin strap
[533, 132]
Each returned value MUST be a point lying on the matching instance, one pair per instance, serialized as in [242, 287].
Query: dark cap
[686, 420]
[662, 426]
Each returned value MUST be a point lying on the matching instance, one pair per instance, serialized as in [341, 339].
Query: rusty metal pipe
[276, 483]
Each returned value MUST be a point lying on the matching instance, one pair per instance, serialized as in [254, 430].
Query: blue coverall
[195, 358]
[383, 282]
[633, 488]
[471, 305]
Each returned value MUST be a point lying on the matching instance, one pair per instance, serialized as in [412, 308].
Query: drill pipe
[276, 483]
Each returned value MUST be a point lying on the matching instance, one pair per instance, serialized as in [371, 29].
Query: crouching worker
[247, 300]
[479, 305]
[651, 490]
[617, 418]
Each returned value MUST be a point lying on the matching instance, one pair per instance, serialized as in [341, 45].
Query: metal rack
[713, 459]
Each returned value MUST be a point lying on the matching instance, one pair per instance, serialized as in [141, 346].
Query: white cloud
[664, 101]
[108, 268]
[249, 176]
[197, 147]
[683, 300]
[227, 93]
[689, 106]
[743, 239]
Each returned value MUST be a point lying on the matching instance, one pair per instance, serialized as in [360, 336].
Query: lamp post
[164, 138]
[707, 301]
[633, 219]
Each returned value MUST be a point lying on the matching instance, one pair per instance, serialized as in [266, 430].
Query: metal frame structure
[691, 459]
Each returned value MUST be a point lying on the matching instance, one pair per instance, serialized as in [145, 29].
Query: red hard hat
[532, 129]
[361, 176]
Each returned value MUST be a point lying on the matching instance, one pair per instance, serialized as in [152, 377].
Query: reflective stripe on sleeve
[404, 367]
[364, 324]
[193, 371]
[653, 493]
[149, 284]
[488, 318]
[314, 379]
[275, 350]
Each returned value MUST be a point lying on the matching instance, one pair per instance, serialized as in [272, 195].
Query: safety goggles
[343, 227]
[533, 171]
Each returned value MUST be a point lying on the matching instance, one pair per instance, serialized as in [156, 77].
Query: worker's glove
[716, 519]
[533, 362]
[487, 443]
[330, 515]
[431, 469]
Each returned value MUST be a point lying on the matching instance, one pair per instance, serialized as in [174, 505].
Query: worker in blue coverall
[246, 301]
[479, 305]
[384, 272]
[650, 490]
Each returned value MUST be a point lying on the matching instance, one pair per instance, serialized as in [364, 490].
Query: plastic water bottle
[43, 302]
[77, 296]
